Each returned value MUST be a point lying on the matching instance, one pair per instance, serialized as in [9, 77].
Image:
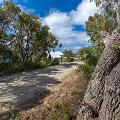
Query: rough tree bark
[102, 97]
[110, 109]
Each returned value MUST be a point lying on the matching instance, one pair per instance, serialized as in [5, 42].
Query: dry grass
[69, 94]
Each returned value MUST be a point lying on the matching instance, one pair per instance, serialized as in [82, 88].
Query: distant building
[56, 54]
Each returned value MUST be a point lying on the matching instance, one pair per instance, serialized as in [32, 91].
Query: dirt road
[16, 89]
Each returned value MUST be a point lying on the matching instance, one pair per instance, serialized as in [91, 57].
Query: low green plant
[61, 112]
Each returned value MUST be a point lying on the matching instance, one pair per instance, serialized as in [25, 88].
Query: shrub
[90, 56]
[9, 68]
[31, 65]
[55, 61]
[87, 70]
[70, 59]
[45, 62]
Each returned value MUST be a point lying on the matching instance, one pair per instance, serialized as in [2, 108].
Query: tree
[23, 39]
[26, 29]
[95, 97]
[8, 15]
[46, 41]
[68, 54]
[90, 55]
[106, 23]
[101, 99]
[110, 6]
[28, 38]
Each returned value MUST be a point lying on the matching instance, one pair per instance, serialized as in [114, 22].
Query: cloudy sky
[66, 18]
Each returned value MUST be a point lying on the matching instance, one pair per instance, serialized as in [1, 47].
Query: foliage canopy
[23, 38]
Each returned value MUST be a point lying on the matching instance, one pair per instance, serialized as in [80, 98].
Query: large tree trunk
[98, 93]
[110, 109]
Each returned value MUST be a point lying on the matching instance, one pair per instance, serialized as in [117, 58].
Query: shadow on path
[27, 89]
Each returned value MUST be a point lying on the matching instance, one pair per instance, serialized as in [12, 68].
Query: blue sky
[44, 6]
[66, 18]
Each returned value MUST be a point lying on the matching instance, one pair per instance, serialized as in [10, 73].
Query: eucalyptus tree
[26, 28]
[91, 55]
[106, 23]
[110, 6]
[8, 16]
[47, 41]
[101, 100]
[24, 35]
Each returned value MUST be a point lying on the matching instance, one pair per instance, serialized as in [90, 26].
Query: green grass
[60, 112]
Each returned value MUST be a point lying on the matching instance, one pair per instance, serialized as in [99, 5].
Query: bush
[90, 56]
[45, 62]
[31, 65]
[87, 70]
[55, 61]
[70, 59]
[9, 68]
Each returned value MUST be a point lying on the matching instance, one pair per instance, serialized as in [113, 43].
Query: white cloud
[83, 11]
[61, 26]
[62, 23]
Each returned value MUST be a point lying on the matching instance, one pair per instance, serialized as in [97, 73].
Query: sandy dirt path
[16, 89]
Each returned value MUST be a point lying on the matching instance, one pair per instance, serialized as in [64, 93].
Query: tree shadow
[28, 89]
[68, 65]
[35, 99]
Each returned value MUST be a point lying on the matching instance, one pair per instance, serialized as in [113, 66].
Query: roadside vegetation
[90, 55]
[24, 42]
[63, 103]
[68, 55]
